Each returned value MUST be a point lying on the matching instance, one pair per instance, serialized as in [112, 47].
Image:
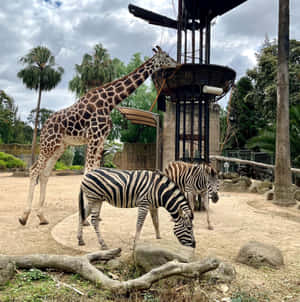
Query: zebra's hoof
[44, 222]
[80, 243]
[22, 221]
[104, 247]
[86, 223]
[210, 227]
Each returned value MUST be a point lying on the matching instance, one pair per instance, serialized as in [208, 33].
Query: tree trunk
[36, 126]
[283, 177]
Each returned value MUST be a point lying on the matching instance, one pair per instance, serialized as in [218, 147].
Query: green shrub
[67, 157]
[60, 166]
[9, 161]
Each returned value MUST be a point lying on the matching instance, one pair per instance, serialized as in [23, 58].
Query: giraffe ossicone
[85, 122]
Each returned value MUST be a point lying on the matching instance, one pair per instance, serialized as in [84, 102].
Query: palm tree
[94, 70]
[41, 74]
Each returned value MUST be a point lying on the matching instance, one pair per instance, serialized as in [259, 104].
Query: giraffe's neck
[120, 89]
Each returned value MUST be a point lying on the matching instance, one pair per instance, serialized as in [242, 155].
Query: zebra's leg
[206, 205]
[95, 214]
[142, 213]
[154, 216]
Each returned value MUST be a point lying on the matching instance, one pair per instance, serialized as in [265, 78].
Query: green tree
[41, 74]
[8, 112]
[95, 70]
[43, 116]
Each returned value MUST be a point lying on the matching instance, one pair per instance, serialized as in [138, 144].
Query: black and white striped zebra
[146, 190]
[196, 179]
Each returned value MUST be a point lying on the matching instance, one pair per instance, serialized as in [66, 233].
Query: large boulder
[240, 184]
[260, 187]
[148, 255]
[297, 195]
[7, 270]
[258, 254]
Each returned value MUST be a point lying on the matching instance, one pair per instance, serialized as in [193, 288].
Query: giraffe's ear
[158, 48]
[154, 50]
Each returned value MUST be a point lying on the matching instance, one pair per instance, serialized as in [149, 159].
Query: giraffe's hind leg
[44, 176]
[34, 174]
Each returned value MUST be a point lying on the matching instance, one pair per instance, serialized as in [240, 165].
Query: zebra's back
[120, 188]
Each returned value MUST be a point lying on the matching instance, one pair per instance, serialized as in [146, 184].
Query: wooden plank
[248, 162]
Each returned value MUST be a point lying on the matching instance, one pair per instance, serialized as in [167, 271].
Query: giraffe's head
[162, 60]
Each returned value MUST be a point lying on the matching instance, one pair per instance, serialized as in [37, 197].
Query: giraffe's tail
[81, 205]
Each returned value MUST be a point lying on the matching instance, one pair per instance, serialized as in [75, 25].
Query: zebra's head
[183, 228]
[212, 183]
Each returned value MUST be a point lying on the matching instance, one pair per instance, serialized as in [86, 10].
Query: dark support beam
[207, 42]
[201, 46]
[177, 130]
[206, 130]
[184, 128]
[192, 128]
[179, 32]
[200, 130]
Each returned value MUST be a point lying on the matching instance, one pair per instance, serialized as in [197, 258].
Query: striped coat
[195, 179]
[143, 189]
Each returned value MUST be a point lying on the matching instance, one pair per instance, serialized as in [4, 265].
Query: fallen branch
[82, 266]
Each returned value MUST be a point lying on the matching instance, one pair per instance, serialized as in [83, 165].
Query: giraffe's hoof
[22, 220]
[86, 223]
[158, 237]
[44, 222]
[210, 227]
[81, 242]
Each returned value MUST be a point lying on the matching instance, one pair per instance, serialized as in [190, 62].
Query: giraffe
[87, 121]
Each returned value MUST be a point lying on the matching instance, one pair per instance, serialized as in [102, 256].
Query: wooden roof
[138, 116]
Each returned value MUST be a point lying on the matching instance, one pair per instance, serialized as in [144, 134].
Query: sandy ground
[237, 218]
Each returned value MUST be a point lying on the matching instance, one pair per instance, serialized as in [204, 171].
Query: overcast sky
[70, 28]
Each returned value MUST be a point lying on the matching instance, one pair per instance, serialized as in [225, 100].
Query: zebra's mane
[185, 167]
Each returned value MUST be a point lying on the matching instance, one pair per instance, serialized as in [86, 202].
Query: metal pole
[206, 130]
[207, 42]
[193, 41]
[201, 46]
[200, 130]
[184, 128]
[177, 130]
[179, 33]
[192, 129]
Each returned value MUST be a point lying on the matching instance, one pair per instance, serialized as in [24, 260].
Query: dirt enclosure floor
[237, 219]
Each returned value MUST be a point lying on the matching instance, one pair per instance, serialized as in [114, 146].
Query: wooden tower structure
[189, 92]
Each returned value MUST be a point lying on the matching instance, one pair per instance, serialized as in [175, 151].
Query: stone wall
[21, 151]
[136, 156]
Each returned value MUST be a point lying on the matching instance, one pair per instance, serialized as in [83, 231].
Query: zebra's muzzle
[214, 197]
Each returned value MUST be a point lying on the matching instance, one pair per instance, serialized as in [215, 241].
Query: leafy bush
[67, 157]
[9, 161]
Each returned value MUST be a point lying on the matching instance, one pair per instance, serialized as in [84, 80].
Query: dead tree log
[82, 265]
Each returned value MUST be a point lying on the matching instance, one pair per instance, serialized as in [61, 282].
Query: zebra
[146, 190]
[195, 179]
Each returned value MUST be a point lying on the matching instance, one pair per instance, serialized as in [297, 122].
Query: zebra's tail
[81, 205]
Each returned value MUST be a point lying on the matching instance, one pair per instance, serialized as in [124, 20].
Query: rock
[7, 270]
[149, 255]
[258, 254]
[223, 274]
[240, 184]
[230, 175]
[113, 263]
[260, 187]
[297, 195]
[270, 195]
